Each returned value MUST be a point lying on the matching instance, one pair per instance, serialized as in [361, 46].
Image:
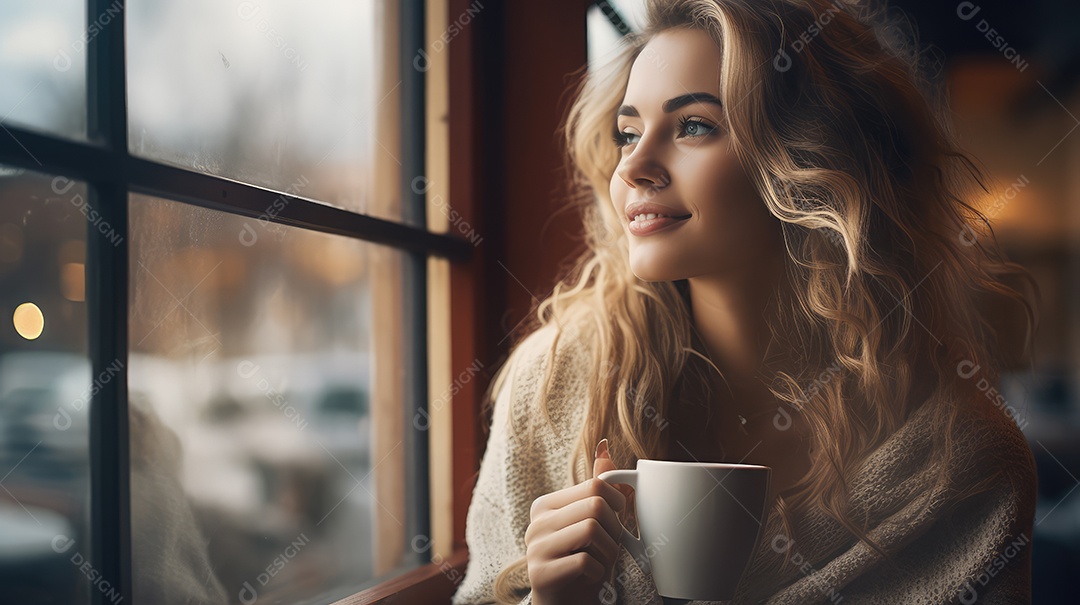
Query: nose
[642, 170]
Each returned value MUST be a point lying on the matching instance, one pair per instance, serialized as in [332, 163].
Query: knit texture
[951, 549]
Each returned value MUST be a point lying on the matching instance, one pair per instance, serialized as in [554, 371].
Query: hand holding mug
[572, 540]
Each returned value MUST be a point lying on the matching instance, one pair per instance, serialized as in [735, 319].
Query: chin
[652, 271]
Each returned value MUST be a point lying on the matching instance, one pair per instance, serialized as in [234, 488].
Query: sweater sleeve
[518, 466]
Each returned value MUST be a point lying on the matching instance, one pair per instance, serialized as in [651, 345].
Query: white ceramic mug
[700, 522]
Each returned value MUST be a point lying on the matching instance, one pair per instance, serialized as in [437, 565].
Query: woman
[803, 298]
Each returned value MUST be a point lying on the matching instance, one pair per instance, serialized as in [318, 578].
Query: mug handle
[632, 543]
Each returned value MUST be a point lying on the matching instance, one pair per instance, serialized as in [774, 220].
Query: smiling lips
[647, 218]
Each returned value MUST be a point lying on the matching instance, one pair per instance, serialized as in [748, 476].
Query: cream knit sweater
[975, 550]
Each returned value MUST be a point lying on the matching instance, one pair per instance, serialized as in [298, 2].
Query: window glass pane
[299, 97]
[44, 391]
[266, 408]
[43, 65]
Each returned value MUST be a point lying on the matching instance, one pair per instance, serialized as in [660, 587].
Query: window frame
[112, 173]
[614, 17]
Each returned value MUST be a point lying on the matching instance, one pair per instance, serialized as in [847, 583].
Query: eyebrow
[674, 103]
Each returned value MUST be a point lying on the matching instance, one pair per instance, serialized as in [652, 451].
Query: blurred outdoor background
[250, 369]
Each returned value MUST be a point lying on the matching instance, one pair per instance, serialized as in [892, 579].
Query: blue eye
[698, 127]
[622, 139]
[691, 127]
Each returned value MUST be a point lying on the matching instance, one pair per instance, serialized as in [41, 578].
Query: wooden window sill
[432, 583]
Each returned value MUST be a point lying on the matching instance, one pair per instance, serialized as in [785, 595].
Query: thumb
[602, 460]
[602, 463]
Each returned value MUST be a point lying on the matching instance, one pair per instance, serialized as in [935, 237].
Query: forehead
[674, 62]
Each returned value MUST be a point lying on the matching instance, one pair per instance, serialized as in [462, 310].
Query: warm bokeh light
[29, 322]
[73, 281]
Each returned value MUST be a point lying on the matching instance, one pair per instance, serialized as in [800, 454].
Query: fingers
[590, 487]
[587, 535]
[566, 569]
[592, 507]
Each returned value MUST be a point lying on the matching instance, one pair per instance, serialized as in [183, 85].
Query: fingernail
[602, 446]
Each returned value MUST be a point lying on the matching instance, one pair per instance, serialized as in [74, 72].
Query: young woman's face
[678, 161]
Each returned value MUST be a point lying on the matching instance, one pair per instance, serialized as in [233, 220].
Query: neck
[731, 313]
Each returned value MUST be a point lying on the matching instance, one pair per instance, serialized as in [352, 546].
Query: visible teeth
[649, 217]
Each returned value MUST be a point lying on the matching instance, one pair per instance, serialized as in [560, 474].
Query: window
[607, 22]
[214, 299]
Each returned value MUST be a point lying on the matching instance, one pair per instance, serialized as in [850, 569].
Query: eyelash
[620, 137]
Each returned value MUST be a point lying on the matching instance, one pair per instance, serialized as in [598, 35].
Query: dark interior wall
[545, 46]
[510, 69]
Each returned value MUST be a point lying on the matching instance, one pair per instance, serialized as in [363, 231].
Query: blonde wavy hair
[849, 143]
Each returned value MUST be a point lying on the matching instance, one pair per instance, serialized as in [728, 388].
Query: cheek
[734, 222]
[724, 192]
[617, 192]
